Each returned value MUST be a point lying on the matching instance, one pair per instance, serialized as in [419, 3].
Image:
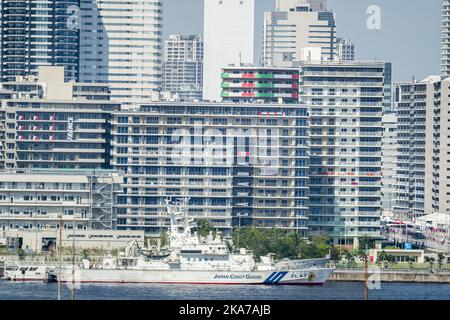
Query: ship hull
[292, 277]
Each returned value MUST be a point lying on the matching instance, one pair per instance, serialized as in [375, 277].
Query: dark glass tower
[34, 33]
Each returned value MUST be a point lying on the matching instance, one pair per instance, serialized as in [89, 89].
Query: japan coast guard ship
[195, 260]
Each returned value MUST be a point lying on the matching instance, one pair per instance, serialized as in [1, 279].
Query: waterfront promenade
[396, 275]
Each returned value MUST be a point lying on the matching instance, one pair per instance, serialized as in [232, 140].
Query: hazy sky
[409, 37]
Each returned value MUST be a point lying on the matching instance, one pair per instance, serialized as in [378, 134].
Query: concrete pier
[412, 276]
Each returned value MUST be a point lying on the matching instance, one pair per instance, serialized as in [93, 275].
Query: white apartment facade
[437, 198]
[346, 49]
[121, 44]
[345, 101]
[389, 153]
[296, 28]
[410, 108]
[445, 62]
[422, 168]
[228, 39]
[183, 67]
[39, 200]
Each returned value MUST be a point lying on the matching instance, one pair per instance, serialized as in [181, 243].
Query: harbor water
[329, 291]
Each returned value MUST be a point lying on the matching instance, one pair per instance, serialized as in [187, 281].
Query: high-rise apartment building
[445, 62]
[229, 39]
[121, 45]
[183, 67]
[389, 160]
[240, 164]
[422, 179]
[345, 49]
[38, 33]
[410, 108]
[345, 101]
[296, 29]
[260, 84]
[49, 123]
[437, 193]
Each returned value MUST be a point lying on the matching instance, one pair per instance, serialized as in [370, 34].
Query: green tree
[384, 258]
[350, 260]
[334, 254]
[280, 243]
[410, 262]
[391, 259]
[430, 261]
[85, 253]
[21, 253]
[365, 243]
[164, 239]
[204, 227]
[441, 258]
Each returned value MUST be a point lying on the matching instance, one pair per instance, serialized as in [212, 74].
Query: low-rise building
[41, 200]
[400, 255]
[41, 241]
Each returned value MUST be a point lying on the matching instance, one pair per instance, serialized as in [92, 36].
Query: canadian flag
[21, 138]
[36, 118]
[21, 117]
[52, 128]
[35, 128]
[35, 138]
[52, 118]
[21, 127]
[52, 138]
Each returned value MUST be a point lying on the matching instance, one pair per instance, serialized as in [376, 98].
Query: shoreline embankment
[405, 276]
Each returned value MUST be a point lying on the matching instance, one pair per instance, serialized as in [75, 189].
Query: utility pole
[73, 257]
[366, 278]
[239, 230]
[60, 255]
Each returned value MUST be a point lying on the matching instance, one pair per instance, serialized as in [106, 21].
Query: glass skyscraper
[121, 44]
[34, 33]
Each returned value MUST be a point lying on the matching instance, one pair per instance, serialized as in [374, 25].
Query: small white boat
[28, 272]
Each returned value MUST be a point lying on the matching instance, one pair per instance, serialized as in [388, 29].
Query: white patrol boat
[197, 260]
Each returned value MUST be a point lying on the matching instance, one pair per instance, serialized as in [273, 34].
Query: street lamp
[72, 204]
